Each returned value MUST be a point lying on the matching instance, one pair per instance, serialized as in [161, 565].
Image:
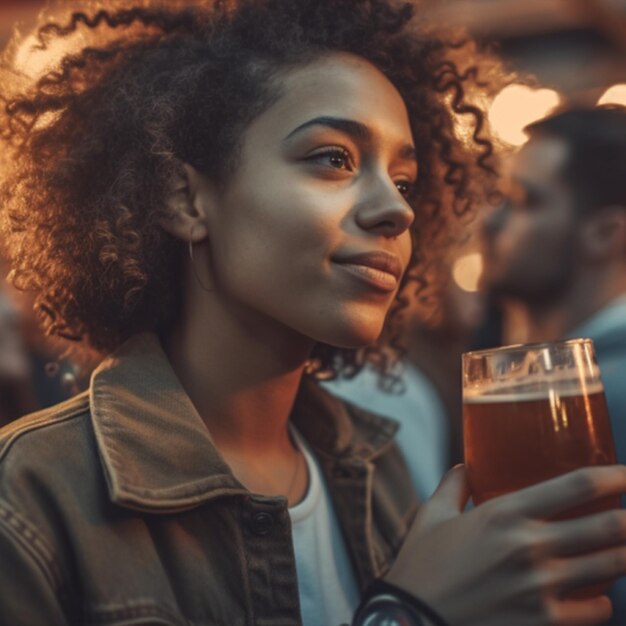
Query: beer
[514, 439]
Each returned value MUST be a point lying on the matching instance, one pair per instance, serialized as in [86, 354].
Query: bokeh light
[467, 271]
[515, 107]
[614, 95]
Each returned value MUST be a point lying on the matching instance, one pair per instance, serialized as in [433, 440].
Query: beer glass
[532, 412]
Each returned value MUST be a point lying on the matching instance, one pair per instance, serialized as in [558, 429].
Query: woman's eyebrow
[352, 128]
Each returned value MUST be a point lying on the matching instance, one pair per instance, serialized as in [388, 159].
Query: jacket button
[262, 523]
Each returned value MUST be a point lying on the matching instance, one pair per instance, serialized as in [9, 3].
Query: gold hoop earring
[193, 265]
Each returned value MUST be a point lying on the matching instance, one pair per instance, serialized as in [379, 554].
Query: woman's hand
[502, 563]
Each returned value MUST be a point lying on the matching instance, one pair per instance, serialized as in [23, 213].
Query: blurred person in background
[555, 250]
[17, 395]
[435, 346]
[32, 374]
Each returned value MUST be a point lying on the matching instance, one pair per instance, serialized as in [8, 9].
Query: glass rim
[527, 346]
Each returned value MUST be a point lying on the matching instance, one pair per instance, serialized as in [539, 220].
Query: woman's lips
[380, 270]
[377, 278]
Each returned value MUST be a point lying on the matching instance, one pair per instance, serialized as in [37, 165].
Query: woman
[224, 200]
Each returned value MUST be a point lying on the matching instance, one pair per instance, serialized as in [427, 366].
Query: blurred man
[557, 246]
[16, 393]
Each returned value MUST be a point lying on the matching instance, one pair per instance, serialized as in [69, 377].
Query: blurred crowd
[32, 374]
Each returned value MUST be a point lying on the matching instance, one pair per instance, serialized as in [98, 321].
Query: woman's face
[311, 230]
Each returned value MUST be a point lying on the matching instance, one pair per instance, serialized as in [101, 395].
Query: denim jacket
[117, 509]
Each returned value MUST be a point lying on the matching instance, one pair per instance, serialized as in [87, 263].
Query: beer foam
[531, 391]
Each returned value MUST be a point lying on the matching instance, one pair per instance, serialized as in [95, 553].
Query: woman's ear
[604, 234]
[190, 200]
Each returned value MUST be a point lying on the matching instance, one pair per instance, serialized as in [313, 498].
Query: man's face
[530, 241]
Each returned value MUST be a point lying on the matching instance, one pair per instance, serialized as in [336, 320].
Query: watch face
[388, 612]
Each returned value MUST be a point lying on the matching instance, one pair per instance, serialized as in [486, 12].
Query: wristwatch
[385, 604]
[387, 610]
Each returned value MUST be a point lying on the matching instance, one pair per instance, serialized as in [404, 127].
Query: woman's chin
[354, 336]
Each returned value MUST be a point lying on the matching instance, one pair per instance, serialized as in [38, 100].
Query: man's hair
[90, 147]
[595, 165]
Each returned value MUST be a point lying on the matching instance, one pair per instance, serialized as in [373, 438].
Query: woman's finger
[589, 569]
[578, 612]
[586, 534]
[565, 492]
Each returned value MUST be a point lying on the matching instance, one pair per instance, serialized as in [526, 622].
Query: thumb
[450, 497]
[445, 504]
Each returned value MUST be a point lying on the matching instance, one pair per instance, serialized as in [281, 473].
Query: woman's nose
[384, 210]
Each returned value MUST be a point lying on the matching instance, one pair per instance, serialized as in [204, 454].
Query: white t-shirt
[327, 585]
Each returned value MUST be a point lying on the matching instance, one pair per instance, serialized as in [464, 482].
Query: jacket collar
[156, 451]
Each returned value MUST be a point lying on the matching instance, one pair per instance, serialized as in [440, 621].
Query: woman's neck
[242, 373]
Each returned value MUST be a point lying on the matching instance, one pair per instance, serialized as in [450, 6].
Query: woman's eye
[337, 158]
[405, 187]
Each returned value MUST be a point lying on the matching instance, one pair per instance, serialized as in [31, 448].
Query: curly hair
[92, 144]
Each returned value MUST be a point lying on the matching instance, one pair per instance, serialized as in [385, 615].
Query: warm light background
[565, 51]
